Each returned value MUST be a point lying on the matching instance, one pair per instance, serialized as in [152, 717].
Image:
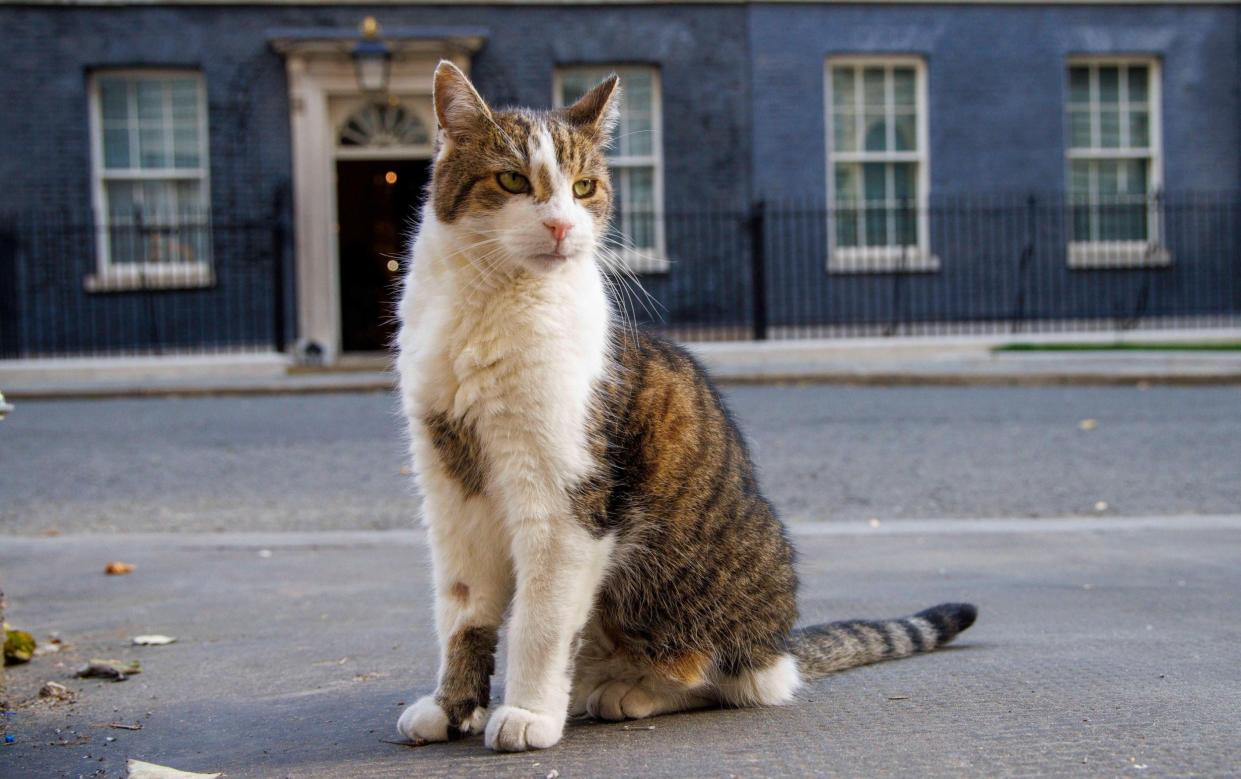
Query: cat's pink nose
[559, 229]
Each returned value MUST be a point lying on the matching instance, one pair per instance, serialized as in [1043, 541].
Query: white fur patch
[771, 686]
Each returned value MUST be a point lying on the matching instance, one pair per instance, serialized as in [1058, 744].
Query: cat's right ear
[458, 107]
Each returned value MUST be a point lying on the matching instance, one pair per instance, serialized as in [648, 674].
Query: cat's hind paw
[617, 699]
[513, 729]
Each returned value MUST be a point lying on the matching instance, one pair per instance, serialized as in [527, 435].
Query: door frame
[320, 76]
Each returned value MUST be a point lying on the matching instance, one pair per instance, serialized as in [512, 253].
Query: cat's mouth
[551, 258]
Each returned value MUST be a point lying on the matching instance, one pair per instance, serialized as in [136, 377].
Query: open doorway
[376, 207]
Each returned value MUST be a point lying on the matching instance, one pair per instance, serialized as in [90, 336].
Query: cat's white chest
[519, 366]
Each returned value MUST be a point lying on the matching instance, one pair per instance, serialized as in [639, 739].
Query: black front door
[375, 202]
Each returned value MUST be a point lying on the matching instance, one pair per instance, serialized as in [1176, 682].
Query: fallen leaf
[153, 640]
[56, 691]
[110, 669]
[418, 742]
[19, 646]
[118, 568]
[1088, 424]
[138, 769]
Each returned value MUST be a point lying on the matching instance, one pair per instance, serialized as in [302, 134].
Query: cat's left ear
[459, 109]
[596, 111]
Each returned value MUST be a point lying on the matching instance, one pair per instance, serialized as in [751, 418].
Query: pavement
[1104, 647]
[825, 453]
[898, 360]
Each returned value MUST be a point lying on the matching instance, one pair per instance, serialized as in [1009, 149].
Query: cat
[578, 474]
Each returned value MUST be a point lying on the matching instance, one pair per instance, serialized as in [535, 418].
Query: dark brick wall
[737, 123]
[997, 82]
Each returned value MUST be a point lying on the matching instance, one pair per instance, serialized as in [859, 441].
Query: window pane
[904, 181]
[636, 114]
[876, 128]
[1109, 85]
[122, 200]
[904, 178]
[114, 99]
[1079, 178]
[115, 147]
[152, 151]
[844, 131]
[150, 96]
[846, 212]
[1079, 129]
[1108, 178]
[1139, 129]
[1135, 172]
[903, 87]
[842, 87]
[846, 188]
[185, 146]
[873, 88]
[635, 190]
[1139, 80]
[906, 132]
[1079, 85]
[875, 190]
[1109, 128]
[574, 84]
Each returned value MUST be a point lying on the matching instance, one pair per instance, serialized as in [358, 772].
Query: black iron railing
[778, 269]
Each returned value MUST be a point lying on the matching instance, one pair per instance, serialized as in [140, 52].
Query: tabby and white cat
[581, 477]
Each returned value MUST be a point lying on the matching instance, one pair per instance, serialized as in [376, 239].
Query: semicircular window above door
[382, 125]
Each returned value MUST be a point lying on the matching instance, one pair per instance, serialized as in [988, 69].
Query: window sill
[125, 278]
[1118, 254]
[882, 260]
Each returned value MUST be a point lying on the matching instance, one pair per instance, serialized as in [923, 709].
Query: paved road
[1103, 648]
[314, 462]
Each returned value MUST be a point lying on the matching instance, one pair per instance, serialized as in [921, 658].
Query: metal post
[758, 262]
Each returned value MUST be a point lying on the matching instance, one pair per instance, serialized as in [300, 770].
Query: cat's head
[526, 188]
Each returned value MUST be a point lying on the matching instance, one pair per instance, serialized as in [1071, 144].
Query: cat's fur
[577, 475]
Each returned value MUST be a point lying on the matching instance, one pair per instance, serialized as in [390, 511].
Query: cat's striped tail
[835, 646]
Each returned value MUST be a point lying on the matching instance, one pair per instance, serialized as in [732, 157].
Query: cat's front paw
[427, 720]
[513, 729]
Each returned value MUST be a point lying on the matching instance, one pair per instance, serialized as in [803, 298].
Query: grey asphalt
[1104, 647]
[826, 453]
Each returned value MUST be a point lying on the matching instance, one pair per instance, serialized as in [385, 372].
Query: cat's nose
[559, 228]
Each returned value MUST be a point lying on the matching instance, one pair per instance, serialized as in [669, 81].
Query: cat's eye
[584, 187]
[511, 181]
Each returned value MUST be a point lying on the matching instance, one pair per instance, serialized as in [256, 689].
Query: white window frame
[122, 276]
[881, 259]
[1120, 254]
[641, 259]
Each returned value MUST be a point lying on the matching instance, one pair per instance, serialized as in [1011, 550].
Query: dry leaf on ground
[138, 769]
[154, 640]
[19, 646]
[110, 669]
[118, 568]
